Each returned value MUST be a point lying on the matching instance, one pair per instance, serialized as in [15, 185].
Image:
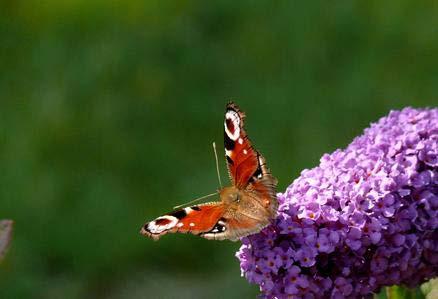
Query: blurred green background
[108, 110]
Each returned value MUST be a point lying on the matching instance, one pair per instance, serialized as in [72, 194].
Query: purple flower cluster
[366, 217]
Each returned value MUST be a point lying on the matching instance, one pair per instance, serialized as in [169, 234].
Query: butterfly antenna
[217, 165]
[195, 200]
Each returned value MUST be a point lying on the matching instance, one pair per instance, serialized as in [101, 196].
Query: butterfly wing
[195, 220]
[242, 158]
[246, 166]
[233, 226]
[256, 187]
[263, 188]
[215, 221]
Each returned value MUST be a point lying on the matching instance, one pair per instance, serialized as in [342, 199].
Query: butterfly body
[244, 208]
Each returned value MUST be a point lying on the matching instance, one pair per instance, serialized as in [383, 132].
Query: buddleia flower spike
[365, 218]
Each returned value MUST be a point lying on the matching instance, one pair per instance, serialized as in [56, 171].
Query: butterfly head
[230, 195]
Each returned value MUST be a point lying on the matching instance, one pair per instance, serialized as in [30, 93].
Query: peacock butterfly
[244, 208]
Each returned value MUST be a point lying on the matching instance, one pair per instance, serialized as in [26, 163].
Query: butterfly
[245, 207]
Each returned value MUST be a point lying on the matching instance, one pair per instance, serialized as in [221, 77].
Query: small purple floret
[365, 218]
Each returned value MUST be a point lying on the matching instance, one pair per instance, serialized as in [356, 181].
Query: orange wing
[214, 221]
[197, 220]
[242, 158]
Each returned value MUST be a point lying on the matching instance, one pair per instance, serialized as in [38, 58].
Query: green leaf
[399, 292]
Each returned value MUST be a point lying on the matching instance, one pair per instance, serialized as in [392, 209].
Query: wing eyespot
[219, 227]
